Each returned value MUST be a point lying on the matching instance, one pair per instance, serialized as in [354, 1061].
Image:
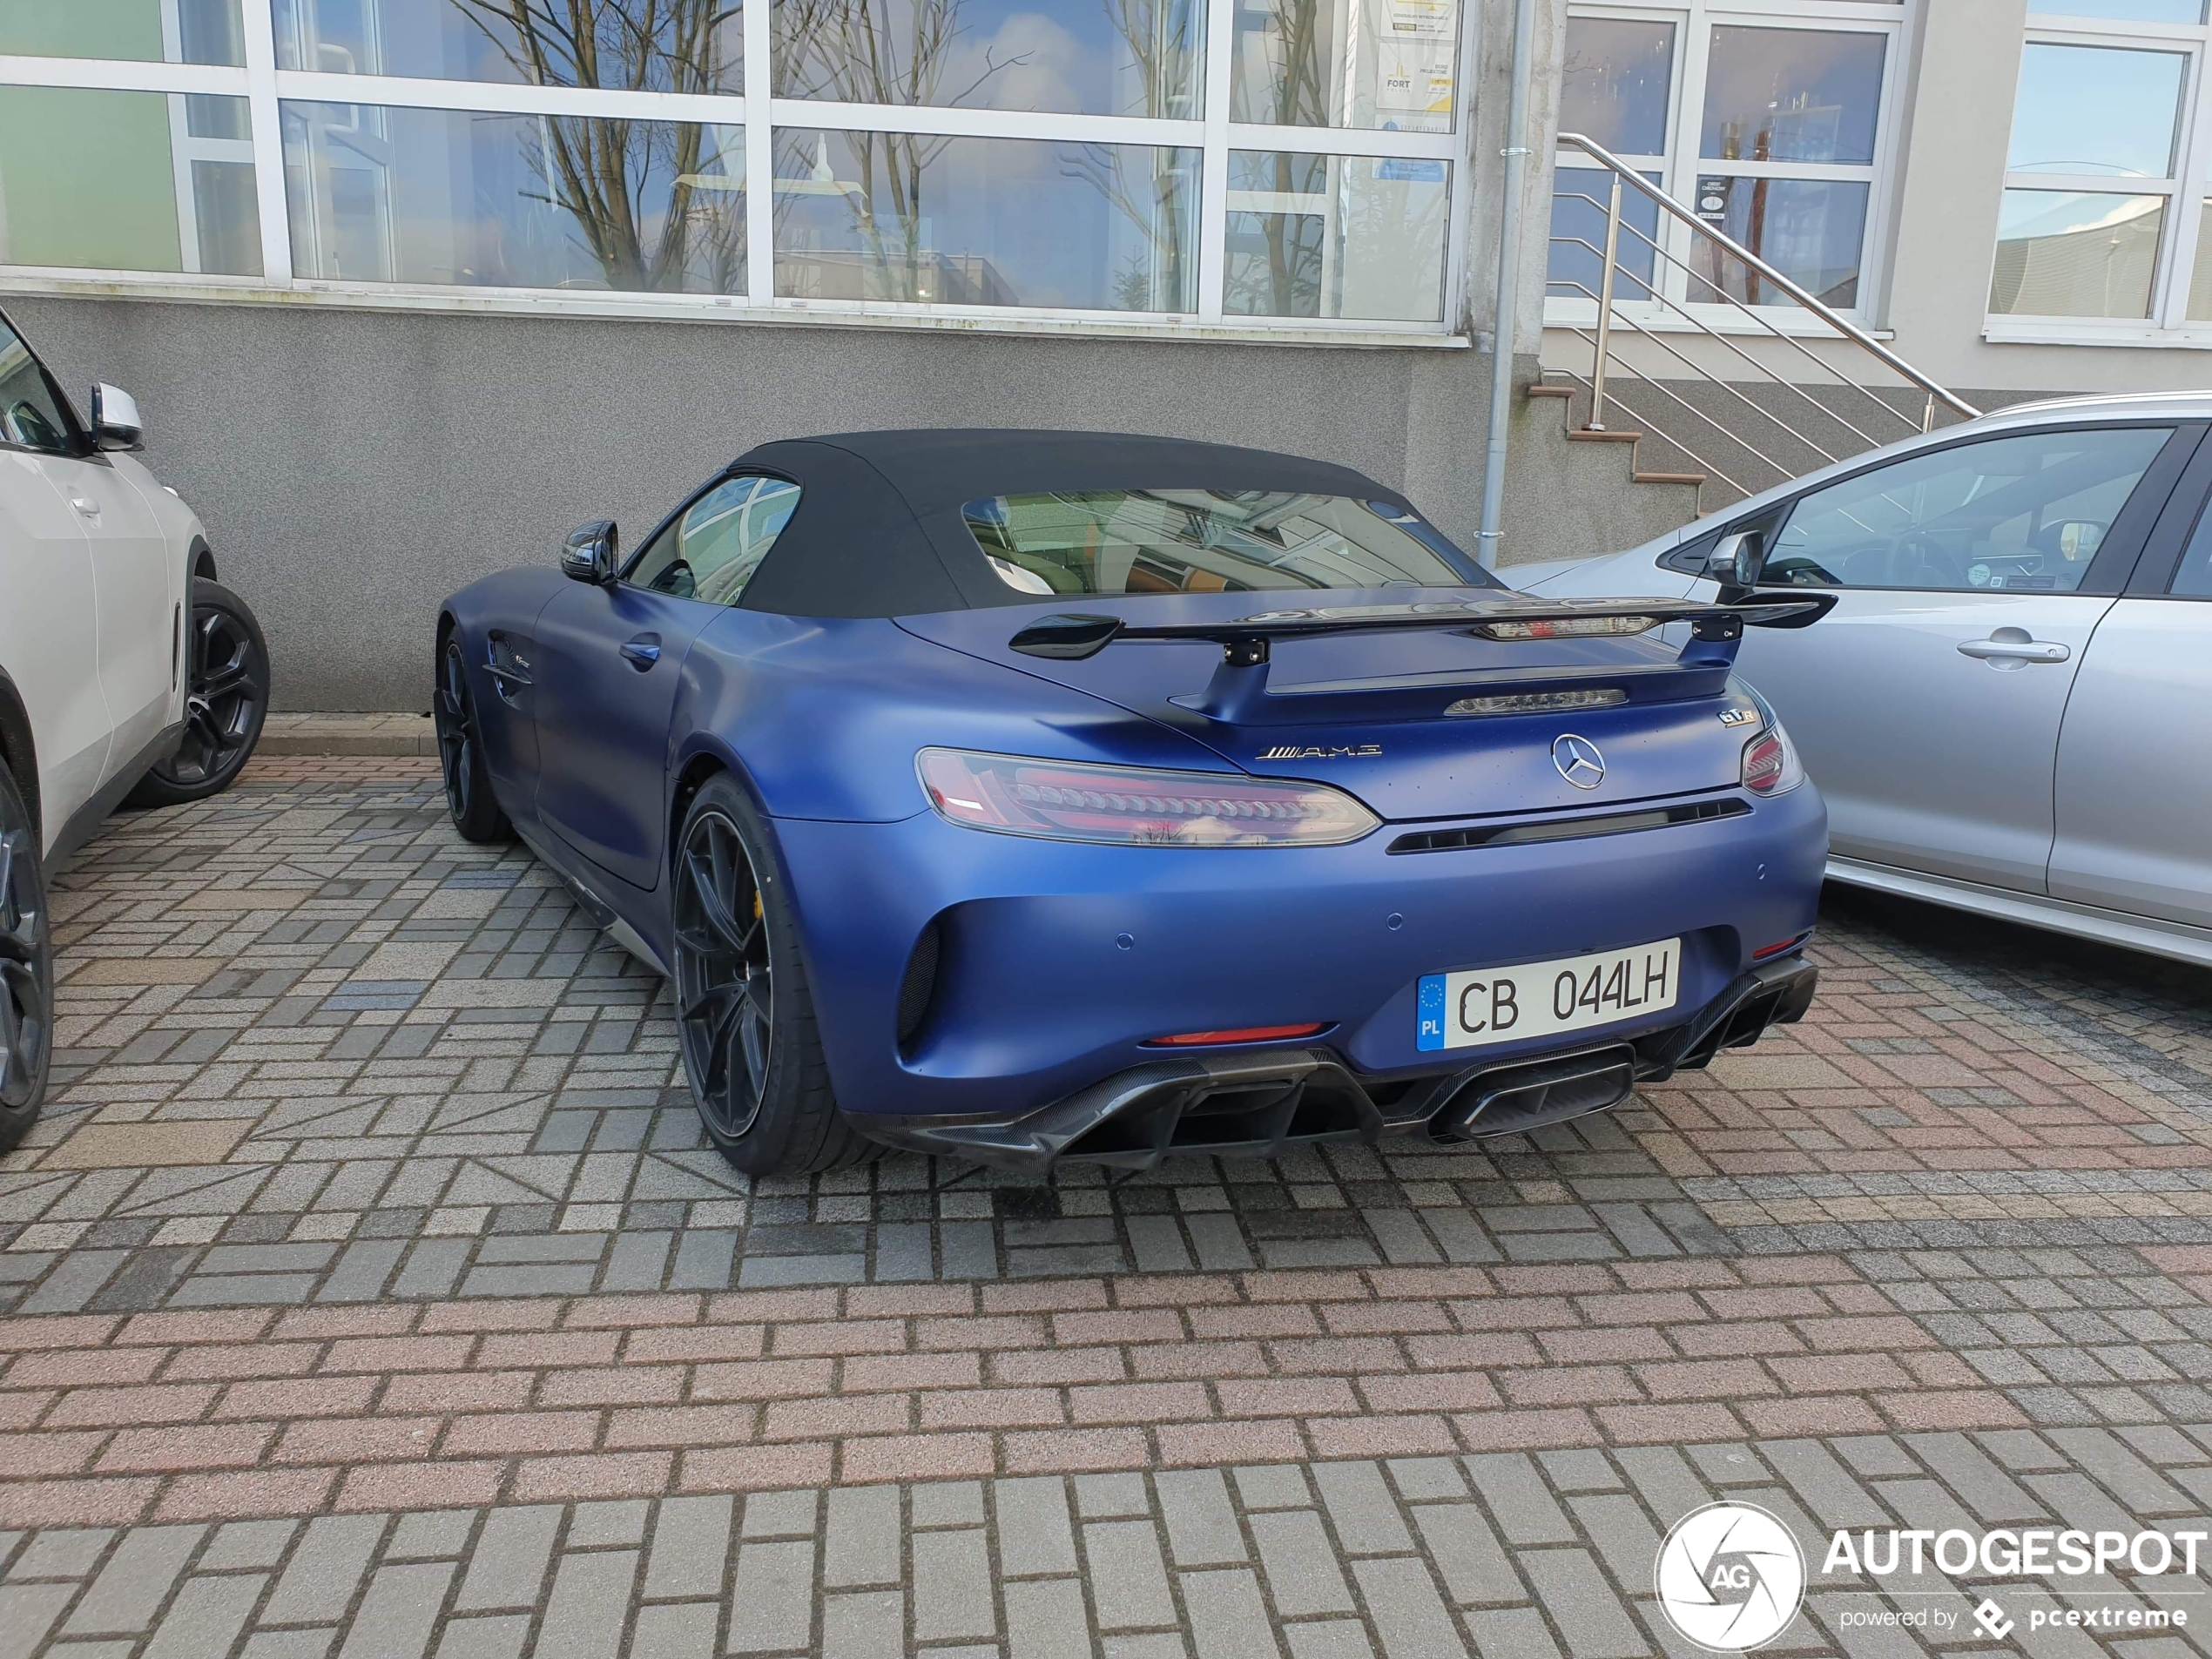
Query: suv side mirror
[591, 553]
[116, 424]
[1735, 560]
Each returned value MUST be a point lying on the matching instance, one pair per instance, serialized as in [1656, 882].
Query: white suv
[127, 673]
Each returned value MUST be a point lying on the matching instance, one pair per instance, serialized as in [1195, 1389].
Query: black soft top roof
[879, 531]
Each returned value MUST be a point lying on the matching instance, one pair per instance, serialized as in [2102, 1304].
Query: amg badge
[1341, 751]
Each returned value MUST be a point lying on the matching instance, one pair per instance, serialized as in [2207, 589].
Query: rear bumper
[1261, 1103]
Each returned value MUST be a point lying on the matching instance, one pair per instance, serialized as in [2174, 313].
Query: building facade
[407, 287]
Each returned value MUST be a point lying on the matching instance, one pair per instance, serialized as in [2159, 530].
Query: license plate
[1544, 999]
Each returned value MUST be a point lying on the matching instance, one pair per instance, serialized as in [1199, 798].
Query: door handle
[89, 509]
[642, 651]
[2001, 650]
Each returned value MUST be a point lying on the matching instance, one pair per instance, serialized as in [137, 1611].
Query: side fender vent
[918, 990]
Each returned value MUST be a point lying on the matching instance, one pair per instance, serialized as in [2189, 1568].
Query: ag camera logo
[1729, 1576]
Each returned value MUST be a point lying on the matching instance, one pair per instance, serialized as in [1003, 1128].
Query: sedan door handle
[642, 651]
[2001, 649]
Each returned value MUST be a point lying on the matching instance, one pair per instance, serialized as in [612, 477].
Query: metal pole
[1605, 309]
[1516, 153]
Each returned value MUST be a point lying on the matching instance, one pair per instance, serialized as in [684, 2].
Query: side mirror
[1735, 560]
[116, 424]
[591, 553]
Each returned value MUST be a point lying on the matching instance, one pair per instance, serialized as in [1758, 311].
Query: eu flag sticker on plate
[1431, 1010]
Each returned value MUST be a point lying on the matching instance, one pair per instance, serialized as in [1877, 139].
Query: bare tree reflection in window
[605, 172]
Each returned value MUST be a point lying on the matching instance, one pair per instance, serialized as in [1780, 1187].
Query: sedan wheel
[26, 970]
[744, 1011]
[460, 753]
[226, 700]
[724, 981]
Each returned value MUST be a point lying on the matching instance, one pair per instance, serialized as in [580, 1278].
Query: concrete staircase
[1572, 493]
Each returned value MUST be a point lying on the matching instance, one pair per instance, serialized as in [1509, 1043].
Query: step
[1693, 479]
[1542, 388]
[369, 733]
[1583, 435]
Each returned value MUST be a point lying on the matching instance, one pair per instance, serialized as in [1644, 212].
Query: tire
[744, 1015]
[26, 969]
[475, 811]
[227, 700]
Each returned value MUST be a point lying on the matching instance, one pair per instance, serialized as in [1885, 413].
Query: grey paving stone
[1303, 1576]
[1361, 1509]
[493, 1637]
[1273, 1486]
[1227, 1619]
[1472, 1563]
[588, 1609]
[1408, 1614]
[690, 1547]
[597, 1525]
[951, 1585]
[772, 1598]
[861, 1545]
[1510, 1633]
[947, 1503]
[507, 1567]
[782, 1515]
[1823, 1484]
[1330, 1639]
[1127, 1575]
[1202, 1527]
[436, 1534]
[136, 1580]
[248, 1543]
[326, 1569]
[1588, 1613]
[1106, 1497]
[1526, 1511]
[27, 1612]
[302, 1645]
[1045, 1620]
[864, 1624]
[680, 1630]
[1034, 1533]
[398, 1616]
[206, 1618]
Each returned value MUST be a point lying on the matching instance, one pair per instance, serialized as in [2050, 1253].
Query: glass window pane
[1198, 541]
[711, 552]
[455, 197]
[2093, 109]
[2125, 10]
[2200, 279]
[148, 32]
[1577, 267]
[127, 181]
[2192, 580]
[30, 414]
[1617, 81]
[1387, 64]
[1077, 57]
[645, 45]
[1792, 95]
[2061, 254]
[1335, 236]
[903, 216]
[1811, 230]
[2024, 514]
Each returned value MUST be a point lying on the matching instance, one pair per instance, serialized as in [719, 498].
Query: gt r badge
[1739, 717]
[1341, 751]
[1578, 761]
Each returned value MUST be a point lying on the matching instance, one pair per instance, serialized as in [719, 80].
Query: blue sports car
[1030, 797]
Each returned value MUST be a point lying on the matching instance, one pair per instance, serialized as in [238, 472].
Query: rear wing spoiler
[1239, 691]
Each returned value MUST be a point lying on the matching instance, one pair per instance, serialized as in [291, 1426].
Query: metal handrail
[1623, 173]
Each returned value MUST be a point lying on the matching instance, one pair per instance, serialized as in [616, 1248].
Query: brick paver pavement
[369, 1290]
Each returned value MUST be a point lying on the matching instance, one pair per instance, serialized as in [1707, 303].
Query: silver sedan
[2010, 708]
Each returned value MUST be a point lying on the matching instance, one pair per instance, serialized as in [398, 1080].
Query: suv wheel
[226, 698]
[26, 969]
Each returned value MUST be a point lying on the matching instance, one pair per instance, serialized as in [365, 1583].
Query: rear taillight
[1135, 806]
[1770, 764]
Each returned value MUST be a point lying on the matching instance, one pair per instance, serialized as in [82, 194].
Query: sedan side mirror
[116, 424]
[1735, 560]
[591, 553]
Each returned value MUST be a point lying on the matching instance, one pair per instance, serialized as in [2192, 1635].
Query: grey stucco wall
[351, 467]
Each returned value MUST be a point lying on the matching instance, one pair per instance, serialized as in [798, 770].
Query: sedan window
[2021, 514]
[30, 415]
[712, 550]
[1202, 541]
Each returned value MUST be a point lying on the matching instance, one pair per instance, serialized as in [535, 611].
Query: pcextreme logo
[1729, 1576]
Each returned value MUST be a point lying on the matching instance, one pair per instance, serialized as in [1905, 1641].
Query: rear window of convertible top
[1202, 541]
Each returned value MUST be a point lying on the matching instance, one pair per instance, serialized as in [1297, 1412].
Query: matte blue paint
[821, 720]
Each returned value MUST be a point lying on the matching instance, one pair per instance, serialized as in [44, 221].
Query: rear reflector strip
[1569, 829]
[1246, 1033]
[1775, 949]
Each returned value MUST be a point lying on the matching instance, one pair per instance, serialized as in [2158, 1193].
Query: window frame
[1683, 163]
[2169, 322]
[267, 88]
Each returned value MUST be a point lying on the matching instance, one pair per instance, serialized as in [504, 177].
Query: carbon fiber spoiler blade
[1071, 636]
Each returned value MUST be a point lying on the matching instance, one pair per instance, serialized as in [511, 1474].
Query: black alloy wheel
[725, 990]
[226, 700]
[745, 1014]
[460, 753]
[26, 969]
